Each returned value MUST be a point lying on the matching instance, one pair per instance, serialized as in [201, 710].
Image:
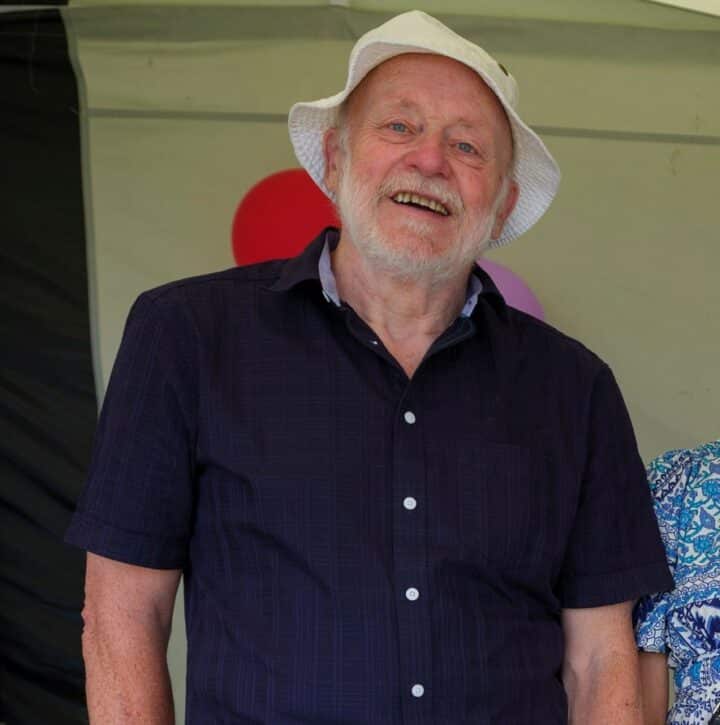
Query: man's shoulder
[232, 279]
[550, 345]
[205, 302]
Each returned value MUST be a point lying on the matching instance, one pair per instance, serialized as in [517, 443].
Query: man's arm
[600, 671]
[654, 687]
[127, 616]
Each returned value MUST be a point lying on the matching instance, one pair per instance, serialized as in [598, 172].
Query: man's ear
[511, 197]
[333, 162]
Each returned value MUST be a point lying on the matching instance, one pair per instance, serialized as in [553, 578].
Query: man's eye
[466, 148]
[398, 126]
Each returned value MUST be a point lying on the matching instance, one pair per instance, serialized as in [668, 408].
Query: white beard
[417, 257]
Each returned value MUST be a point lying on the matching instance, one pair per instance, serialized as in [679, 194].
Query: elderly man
[393, 498]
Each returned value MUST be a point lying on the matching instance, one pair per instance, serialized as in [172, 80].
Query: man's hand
[600, 670]
[127, 615]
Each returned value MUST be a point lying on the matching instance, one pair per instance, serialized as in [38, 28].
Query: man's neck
[407, 314]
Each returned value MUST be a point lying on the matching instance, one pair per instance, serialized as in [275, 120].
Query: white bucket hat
[534, 169]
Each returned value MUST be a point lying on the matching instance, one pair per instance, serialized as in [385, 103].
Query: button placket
[411, 562]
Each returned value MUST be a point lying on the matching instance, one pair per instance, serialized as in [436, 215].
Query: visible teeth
[405, 197]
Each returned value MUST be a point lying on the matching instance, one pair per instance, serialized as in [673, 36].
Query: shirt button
[409, 503]
[417, 690]
[409, 417]
[412, 594]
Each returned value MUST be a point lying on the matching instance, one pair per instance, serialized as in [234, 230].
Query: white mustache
[423, 187]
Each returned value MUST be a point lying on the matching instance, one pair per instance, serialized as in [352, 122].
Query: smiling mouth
[420, 202]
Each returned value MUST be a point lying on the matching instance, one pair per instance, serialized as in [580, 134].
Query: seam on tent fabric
[610, 134]
[188, 115]
[560, 131]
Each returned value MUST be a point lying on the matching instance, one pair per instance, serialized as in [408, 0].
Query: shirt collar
[314, 264]
[305, 267]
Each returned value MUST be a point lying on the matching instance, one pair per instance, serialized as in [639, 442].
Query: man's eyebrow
[402, 104]
[477, 126]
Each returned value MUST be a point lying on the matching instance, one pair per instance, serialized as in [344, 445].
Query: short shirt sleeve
[668, 481]
[614, 553]
[137, 503]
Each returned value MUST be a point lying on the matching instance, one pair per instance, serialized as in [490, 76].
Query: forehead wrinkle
[405, 104]
[398, 103]
[485, 108]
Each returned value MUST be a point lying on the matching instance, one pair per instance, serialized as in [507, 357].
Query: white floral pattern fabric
[685, 622]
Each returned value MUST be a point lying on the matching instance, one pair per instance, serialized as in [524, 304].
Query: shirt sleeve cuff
[597, 590]
[652, 647]
[132, 547]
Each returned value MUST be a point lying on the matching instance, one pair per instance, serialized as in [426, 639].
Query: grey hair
[342, 125]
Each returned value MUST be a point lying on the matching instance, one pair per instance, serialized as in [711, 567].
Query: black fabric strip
[34, 3]
[47, 393]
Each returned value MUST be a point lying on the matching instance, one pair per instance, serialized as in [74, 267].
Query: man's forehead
[399, 102]
[392, 85]
[396, 68]
[400, 75]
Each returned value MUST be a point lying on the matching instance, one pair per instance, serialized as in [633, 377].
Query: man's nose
[429, 155]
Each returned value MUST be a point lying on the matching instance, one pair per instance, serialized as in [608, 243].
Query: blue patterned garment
[685, 622]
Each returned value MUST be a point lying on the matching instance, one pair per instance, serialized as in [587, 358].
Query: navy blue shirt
[360, 547]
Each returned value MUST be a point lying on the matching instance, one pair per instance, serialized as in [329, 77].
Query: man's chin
[407, 251]
[410, 263]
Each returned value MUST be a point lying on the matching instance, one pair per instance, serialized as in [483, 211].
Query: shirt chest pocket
[505, 505]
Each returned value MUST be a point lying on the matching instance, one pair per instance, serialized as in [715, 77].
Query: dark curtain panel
[47, 393]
